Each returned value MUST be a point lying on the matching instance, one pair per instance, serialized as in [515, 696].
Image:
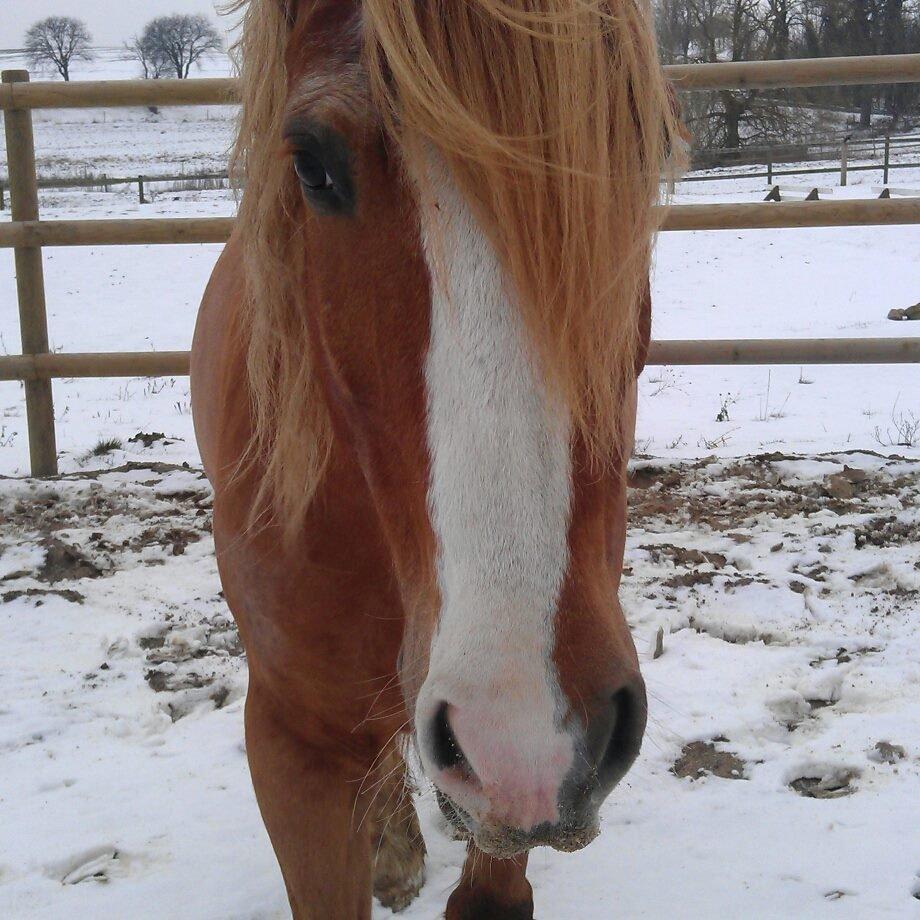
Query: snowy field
[779, 778]
[773, 543]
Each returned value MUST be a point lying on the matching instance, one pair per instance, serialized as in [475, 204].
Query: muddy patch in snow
[64, 562]
[702, 758]
[108, 526]
[39, 594]
[774, 523]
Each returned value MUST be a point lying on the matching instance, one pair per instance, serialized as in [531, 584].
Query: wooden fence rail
[756, 216]
[769, 174]
[790, 214]
[27, 234]
[839, 71]
[792, 150]
[664, 352]
[94, 364]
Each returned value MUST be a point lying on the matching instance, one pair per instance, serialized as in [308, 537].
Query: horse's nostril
[616, 736]
[445, 751]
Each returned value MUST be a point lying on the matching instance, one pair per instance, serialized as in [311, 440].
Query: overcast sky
[111, 22]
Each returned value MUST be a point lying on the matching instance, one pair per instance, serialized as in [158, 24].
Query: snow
[786, 588]
[126, 791]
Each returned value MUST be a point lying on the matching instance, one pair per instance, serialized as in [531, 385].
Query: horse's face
[507, 542]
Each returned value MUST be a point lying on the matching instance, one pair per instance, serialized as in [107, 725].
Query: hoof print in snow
[95, 866]
[886, 752]
[193, 668]
[842, 656]
[157, 680]
[814, 703]
[150, 642]
[835, 895]
[198, 696]
[701, 758]
[646, 476]
[833, 784]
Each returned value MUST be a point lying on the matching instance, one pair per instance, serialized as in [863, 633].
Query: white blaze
[499, 491]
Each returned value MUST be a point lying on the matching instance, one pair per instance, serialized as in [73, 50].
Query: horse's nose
[614, 733]
[444, 748]
[500, 764]
[512, 772]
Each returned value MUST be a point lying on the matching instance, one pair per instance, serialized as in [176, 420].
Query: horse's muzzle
[510, 804]
[505, 842]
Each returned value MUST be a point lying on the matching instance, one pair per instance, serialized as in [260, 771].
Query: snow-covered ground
[780, 776]
[786, 587]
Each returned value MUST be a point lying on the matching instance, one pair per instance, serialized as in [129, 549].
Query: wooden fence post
[140, 190]
[843, 161]
[887, 158]
[769, 169]
[30, 281]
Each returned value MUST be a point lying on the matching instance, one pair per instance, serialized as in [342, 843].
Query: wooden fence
[26, 234]
[106, 182]
[845, 151]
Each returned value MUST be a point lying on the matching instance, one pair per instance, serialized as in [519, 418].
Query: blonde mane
[292, 433]
[556, 120]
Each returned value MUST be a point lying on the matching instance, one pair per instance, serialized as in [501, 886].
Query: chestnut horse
[414, 389]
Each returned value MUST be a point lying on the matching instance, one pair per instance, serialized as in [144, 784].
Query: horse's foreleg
[491, 889]
[399, 849]
[308, 805]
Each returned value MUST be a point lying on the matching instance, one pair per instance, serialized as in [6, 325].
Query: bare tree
[707, 31]
[845, 27]
[58, 40]
[691, 31]
[178, 43]
[675, 30]
[149, 55]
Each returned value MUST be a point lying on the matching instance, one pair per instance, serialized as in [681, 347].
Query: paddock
[783, 589]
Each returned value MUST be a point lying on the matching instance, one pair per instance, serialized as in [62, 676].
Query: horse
[414, 392]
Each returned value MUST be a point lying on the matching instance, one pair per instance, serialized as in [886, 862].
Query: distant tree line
[169, 46]
[699, 31]
[689, 31]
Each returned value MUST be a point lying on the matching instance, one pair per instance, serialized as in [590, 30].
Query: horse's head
[466, 217]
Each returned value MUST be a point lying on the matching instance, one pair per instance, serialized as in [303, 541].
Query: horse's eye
[323, 165]
[311, 172]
